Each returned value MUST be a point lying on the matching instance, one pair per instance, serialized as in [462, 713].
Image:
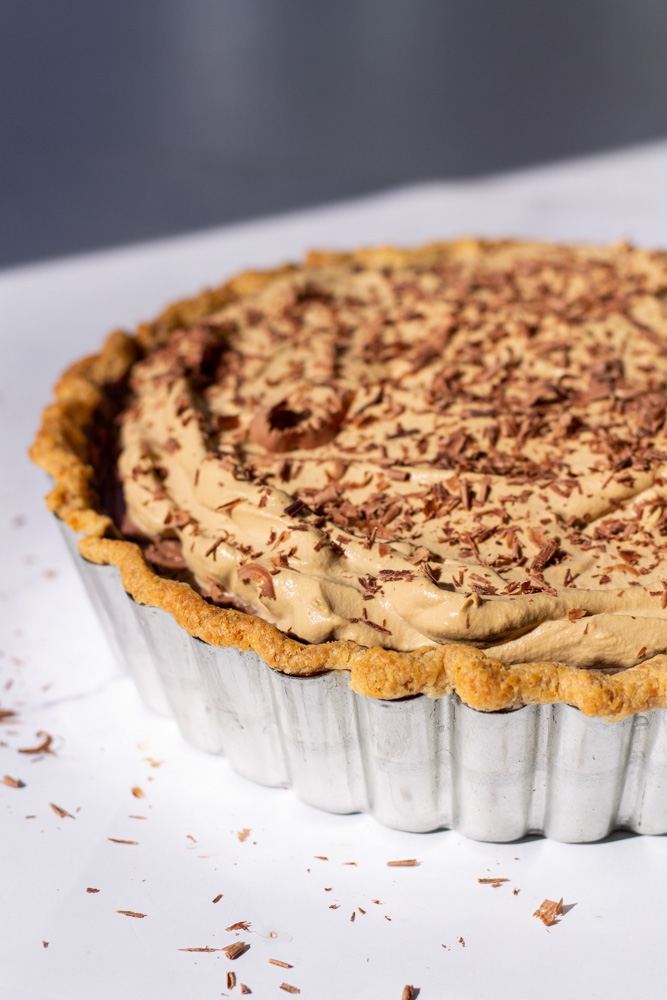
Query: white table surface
[57, 673]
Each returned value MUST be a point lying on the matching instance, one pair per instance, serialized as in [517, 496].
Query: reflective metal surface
[415, 764]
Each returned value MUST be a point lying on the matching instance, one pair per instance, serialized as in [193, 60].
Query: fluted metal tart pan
[415, 764]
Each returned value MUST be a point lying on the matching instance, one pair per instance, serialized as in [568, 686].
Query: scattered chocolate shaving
[217, 898]
[544, 556]
[373, 625]
[59, 811]
[492, 881]
[92, 890]
[396, 574]
[138, 792]
[548, 911]
[243, 834]
[130, 913]
[461, 942]
[283, 965]
[116, 840]
[211, 549]
[207, 949]
[429, 572]
[13, 782]
[320, 857]
[281, 428]
[177, 518]
[45, 944]
[294, 508]
[231, 979]
[44, 746]
[7, 713]
[352, 916]
[408, 863]
[233, 951]
[240, 925]
[541, 584]
[575, 613]
[408, 993]
[261, 576]
[288, 988]
[245, 990]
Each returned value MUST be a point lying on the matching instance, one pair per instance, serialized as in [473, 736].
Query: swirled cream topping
[467, 444]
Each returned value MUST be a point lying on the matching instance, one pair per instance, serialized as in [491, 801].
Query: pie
[441, 469]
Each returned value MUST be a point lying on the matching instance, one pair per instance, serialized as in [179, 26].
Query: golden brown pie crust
[61, 448]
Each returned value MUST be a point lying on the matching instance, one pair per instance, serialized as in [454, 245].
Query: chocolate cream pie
[441, 469]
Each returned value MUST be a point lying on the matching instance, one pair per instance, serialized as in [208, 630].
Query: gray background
[133, 119]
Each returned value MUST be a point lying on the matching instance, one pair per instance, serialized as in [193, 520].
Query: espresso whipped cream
[462, 445]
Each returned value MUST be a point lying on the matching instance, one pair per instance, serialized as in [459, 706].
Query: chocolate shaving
[214, 546]
[13, 782]
[44, 746]
[259, 575]
[548, 911]
[373, 625]
[178, 518]
[295, 508]
[276, 961]
[429, 572]
[544, 556]
[408, 863]
[131, 913]
[59, 811]
[207, 949]
[234, 951]
[288, 988]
